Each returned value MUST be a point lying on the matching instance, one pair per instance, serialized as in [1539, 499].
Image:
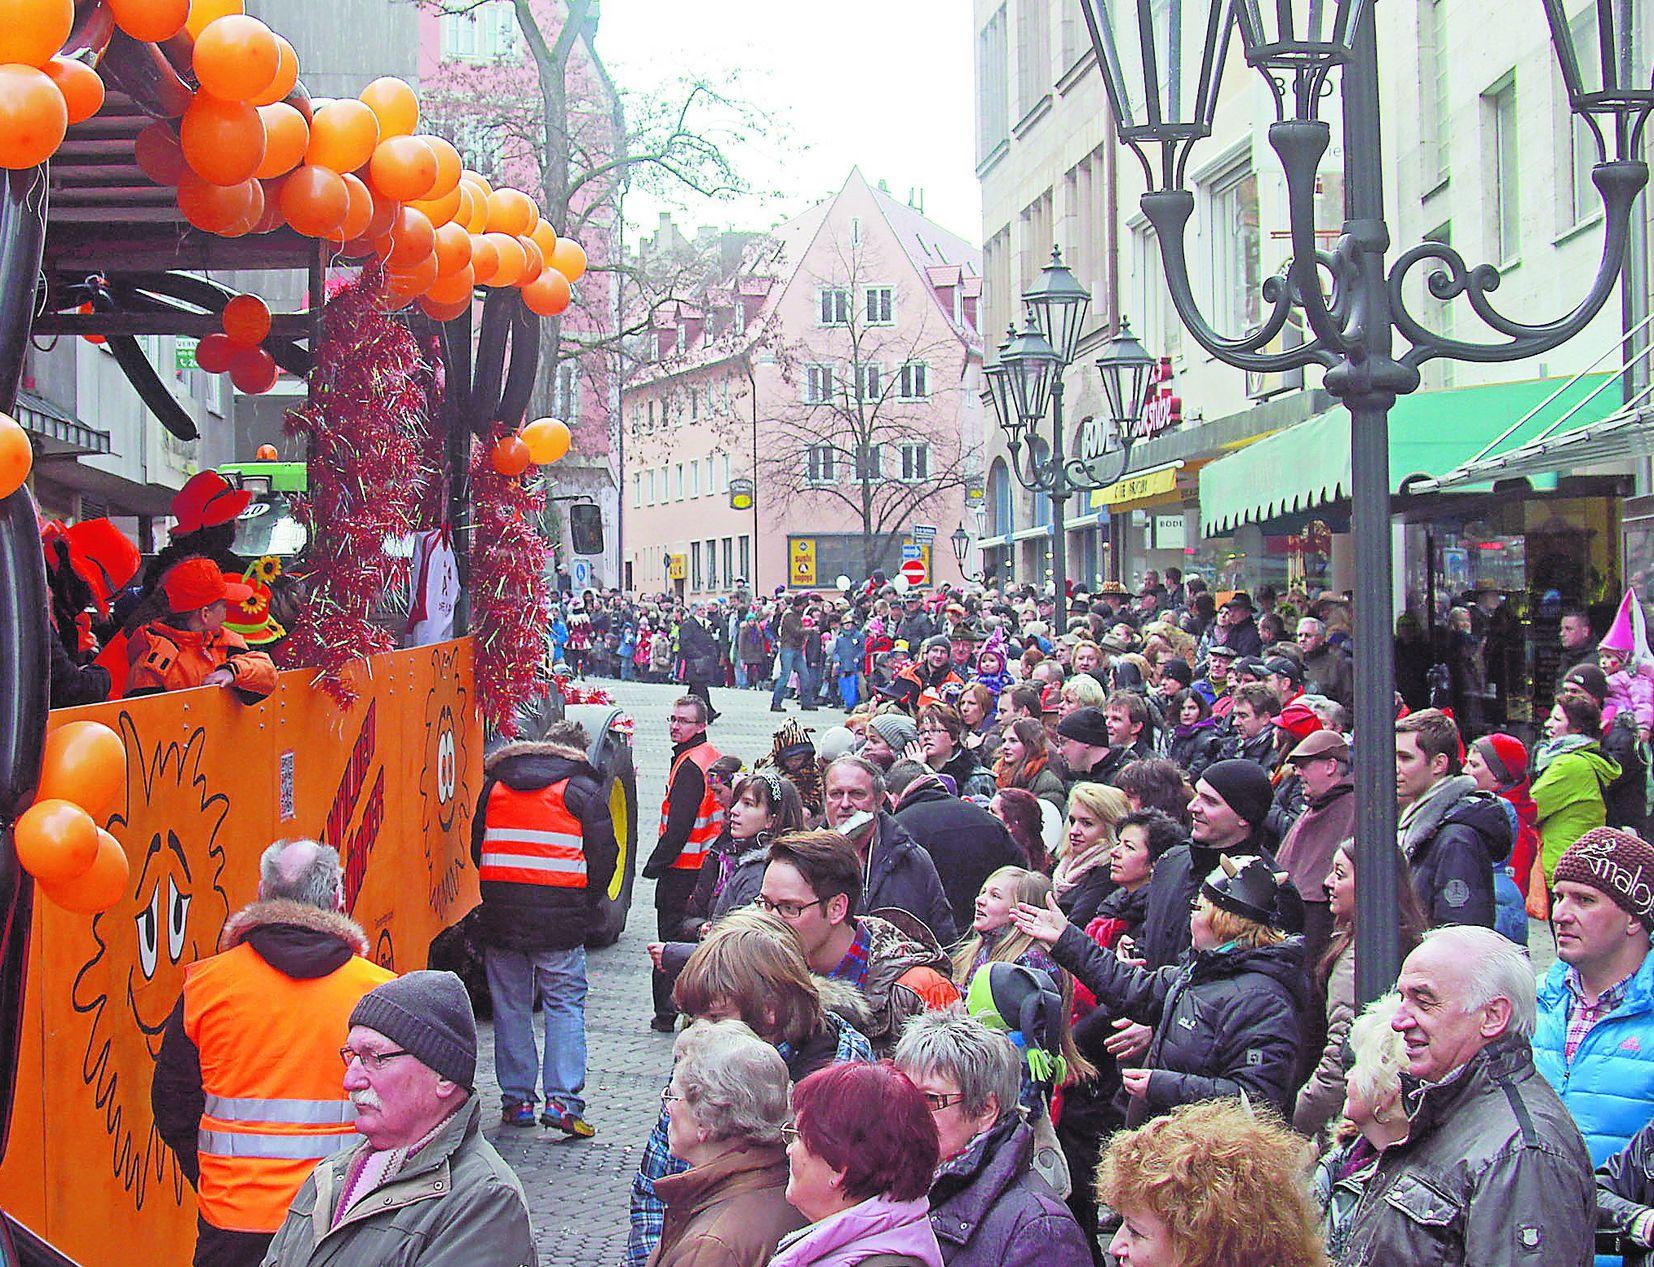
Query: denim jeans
[560, 977]
[792, 658]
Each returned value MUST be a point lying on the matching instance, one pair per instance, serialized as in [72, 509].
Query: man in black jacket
[1083, 741]
[545, 850]
[897, 871]
[698, 648]
[966, 843]
[1451, 832]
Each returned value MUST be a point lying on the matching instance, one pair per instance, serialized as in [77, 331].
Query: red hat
[196, 583]
[103, 556]
[205, 502]
[1505, 755]
[1298, 720]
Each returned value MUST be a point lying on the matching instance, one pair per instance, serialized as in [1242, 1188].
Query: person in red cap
[85, 565]
[191, 647]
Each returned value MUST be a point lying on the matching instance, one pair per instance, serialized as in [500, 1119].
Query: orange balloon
[510, 211]
[485, 259]
[412, 239]
[548, 439]
[287, 76]
[81, 86]
[403, 168]
[548, 294]
[444, 312]
[272, 218]
[450, 288]
[16, 457]
[214, 208]
[103, 884]
[236, 58]
[267, 453]
[205, 12]
[568, 257]
[253, 371]
[449, 166]
[84, 762]
[453, 249]
[477, 220]
[385, 211]
[394, 103]
[358, 214]
[536, 262]
[57, 841]
[32, 31]
[33, 117]
[159, 155]
[246, 319]
[439, 211]
[252, 213]
[223, 140]
[286, 136]
[314, 200]
[342, 136]
[150, 20]
[415, 279]
[509, 259]
[509, 456]
[476, 178]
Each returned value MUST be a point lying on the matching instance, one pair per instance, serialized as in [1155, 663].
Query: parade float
[144, 145]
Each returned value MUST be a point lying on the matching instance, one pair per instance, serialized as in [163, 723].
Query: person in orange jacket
[191, 647]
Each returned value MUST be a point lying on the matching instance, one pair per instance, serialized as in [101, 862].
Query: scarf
[376, 1167]
[1073, 867]
[1551, 749]
[1007, 775]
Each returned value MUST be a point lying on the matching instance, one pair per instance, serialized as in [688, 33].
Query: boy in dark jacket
[545, 850]
[1451, 832]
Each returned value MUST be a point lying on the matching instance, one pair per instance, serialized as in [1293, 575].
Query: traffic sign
[911, 551]
[914, 571]
[580, 576]
[924, 532]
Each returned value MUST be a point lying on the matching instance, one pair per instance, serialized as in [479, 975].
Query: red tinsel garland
[365, 424]
[510, 596]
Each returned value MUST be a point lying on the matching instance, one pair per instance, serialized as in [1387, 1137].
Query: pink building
[814, 412]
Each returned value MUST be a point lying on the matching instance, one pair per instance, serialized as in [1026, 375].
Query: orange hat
[103, 556]
[205, 502]
[196, 583]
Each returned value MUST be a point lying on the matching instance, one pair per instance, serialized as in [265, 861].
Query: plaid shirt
[1583, 1016]
[853, 967]
[648, 1211]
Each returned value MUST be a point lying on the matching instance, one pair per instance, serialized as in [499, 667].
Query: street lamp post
[1161, 68]
[1028, 379]
[960, 540]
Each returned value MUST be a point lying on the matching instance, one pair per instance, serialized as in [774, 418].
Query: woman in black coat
[1195, 738]
[1228, 1018]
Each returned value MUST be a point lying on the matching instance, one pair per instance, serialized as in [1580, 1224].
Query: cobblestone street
[578, 1190]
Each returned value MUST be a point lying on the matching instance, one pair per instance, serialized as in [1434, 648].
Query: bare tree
[869, 426]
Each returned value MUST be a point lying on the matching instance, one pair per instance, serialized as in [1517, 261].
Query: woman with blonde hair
[1209, 1185]
[1080, 691]
[991, 937]
[1080, 880]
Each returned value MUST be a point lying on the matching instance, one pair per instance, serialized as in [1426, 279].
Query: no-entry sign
[914, 570]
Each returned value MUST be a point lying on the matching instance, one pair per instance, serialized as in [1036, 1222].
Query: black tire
[620, 785]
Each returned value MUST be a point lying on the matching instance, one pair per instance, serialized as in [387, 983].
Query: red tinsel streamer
[510, 596]
[365, 424]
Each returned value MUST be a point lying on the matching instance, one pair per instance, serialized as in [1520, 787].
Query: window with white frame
[649, 487]
[694, 479]
[1155, 318]
[869, 462]
[637, 489]
[913, 381]
[821, 465]
[871, 384]
[565, 402]
[818, 384]
[879, 304]
[725, 484]
[695, 565]
[1434, 134]
[678, 482]
[835, 306]
[729, 560]
[694, 405]
[746, 555]
[711, 477]
[916, 461]
[1500, 144]
[1233, 230]
[712, 565]
[484, 33]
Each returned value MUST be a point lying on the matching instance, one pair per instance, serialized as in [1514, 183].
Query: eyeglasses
[668, 1096]
[372, 1061]
[789, 1134]
[937, 1101]
[786, 910]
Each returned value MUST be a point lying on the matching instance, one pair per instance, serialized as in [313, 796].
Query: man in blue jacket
[1594, 1040]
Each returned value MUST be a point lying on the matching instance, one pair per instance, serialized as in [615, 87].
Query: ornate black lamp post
[1027, 382]
[1161, 66]
[960, 540]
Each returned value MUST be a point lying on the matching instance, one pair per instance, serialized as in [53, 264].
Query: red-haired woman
[861, 1153]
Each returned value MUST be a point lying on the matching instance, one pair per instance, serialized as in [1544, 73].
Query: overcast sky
[883, 84]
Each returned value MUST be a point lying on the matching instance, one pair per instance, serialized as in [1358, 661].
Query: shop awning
[57, 433]
[1626, 434]
[1431, 434]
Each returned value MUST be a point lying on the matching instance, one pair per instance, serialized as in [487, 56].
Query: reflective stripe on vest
[274, 1105]
[709, 815]
[531, 837]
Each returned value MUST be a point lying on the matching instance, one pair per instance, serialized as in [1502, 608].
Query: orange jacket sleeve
[151, 662]
[255, 673]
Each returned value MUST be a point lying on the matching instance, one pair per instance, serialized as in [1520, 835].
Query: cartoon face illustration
[444, 781]
[170, 916]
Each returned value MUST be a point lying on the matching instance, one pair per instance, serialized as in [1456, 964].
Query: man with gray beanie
[424, 1187]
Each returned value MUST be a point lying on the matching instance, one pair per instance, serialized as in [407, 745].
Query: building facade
[815, 413]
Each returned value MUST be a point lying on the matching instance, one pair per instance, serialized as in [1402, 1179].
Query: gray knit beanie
[895, 730]
[429, 1015]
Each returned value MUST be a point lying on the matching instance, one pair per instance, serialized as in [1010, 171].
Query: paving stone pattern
[578, 1189]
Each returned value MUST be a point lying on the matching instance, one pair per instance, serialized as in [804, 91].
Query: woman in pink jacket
[861, 1153]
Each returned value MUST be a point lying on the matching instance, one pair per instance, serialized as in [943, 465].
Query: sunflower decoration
[793, 753]
[251, 617]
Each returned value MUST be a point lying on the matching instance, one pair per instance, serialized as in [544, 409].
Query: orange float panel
[391, 782]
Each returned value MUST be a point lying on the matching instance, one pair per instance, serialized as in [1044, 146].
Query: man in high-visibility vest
[246, 1089]
[544, 844]
[690, 820]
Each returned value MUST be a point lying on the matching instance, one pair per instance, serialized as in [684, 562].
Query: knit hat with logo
[1615, 863]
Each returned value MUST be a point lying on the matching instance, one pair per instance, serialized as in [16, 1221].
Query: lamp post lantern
[1027, 382]
[1163, 106]
[960, 540]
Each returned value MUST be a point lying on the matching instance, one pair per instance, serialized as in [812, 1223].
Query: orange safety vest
[275, 1098]
[532, 838]
[709, 815]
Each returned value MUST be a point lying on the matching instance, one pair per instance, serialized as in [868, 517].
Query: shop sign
[976, 493]
[183, 353]
[1168, 532]
[677, 567]
[1162, 410]
[742, 492]
[801, 569]
[1136, 488]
